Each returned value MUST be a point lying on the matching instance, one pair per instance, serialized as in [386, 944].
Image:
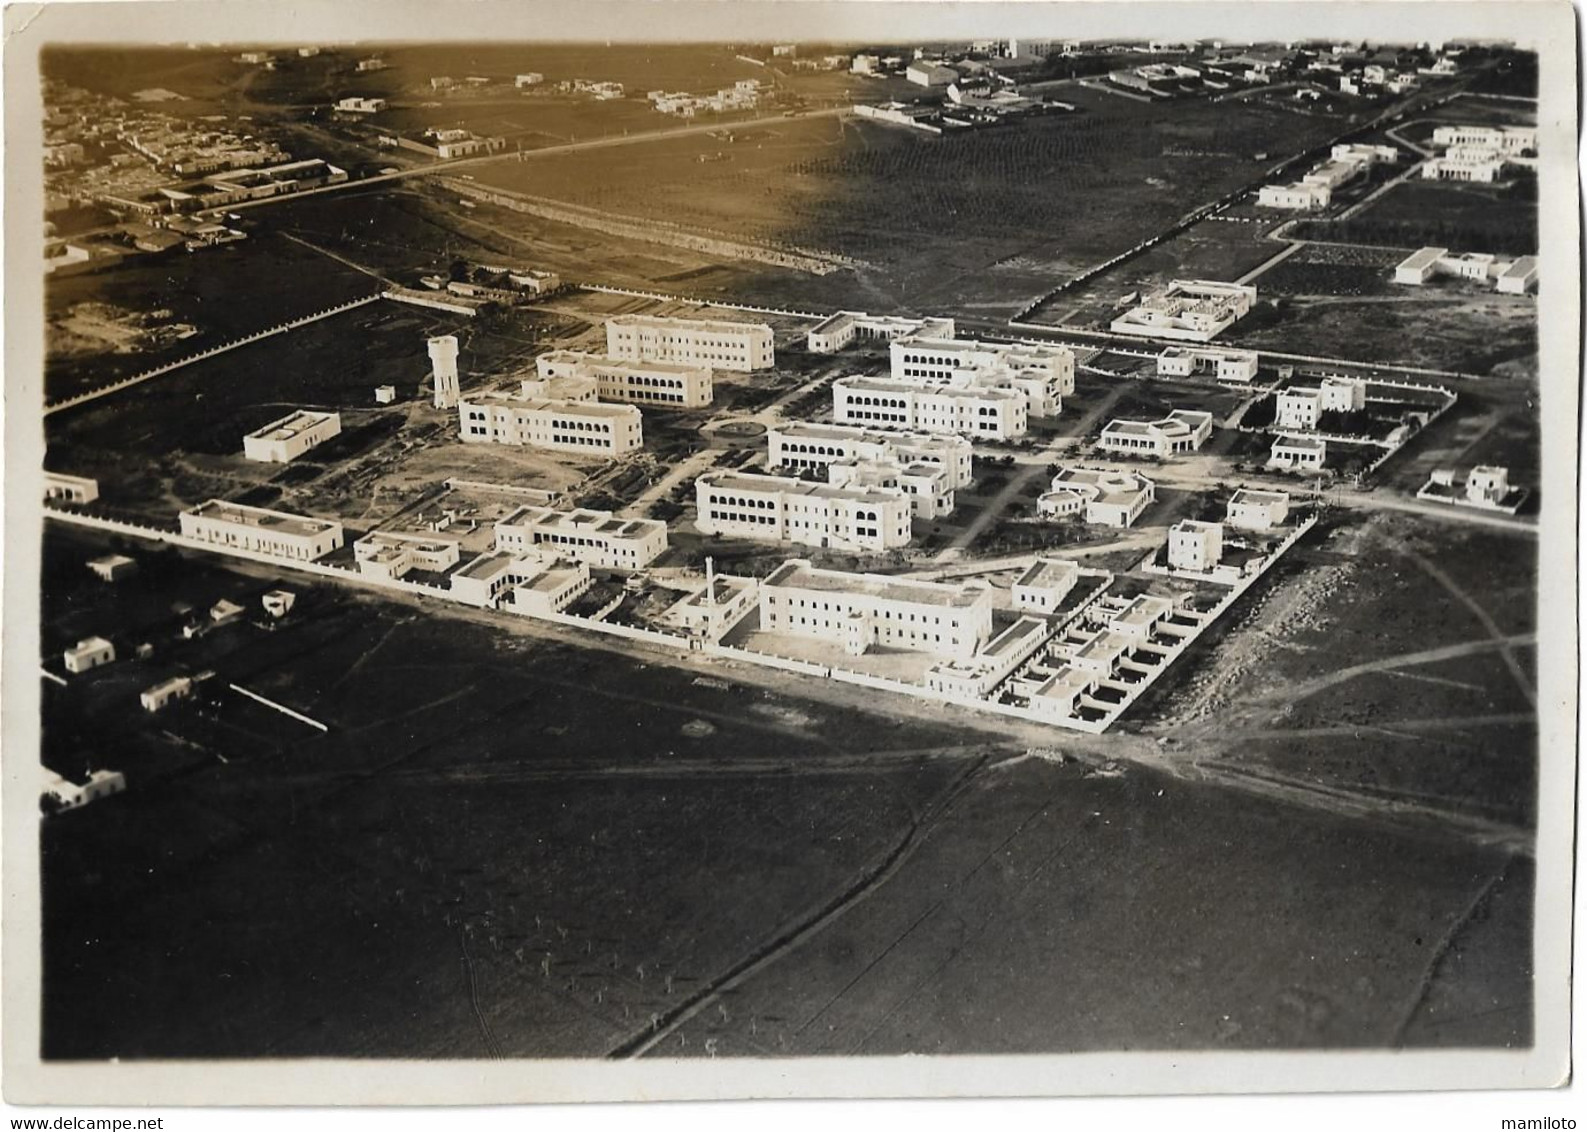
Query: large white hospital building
[674, 384]
[803, 445]
[1043, 375]
[256, 529]
[780, 509]
[741, 346]
[291, 436]
[860, 611]
[586, 427]
[878, 402]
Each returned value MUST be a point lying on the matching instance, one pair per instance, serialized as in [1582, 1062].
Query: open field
[1499, 218]
[542, 893]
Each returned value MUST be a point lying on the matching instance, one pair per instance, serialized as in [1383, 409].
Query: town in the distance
[1117, 408]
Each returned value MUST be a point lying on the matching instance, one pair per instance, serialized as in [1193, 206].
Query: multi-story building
[861, 611]
[392, 554]
[1044, 584]
[1183, 430]
[1190, 310]
[585, 427]
[779, 509]
[261, 531]
[802, 445]
[1515, 277]
[291, 436]
[877, 402]
[594, 537]
[1103, 496]
[532, 583]
[644, 383]
[1303, 196]
[1195, 546]
[1254, 510]
[925, 484]
[1042, 374]
[739, 346]
[1301, 407]
[1504, 139]
[838, 331]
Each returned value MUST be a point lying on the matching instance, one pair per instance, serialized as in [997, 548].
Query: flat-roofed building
[1194, 545]
[261, 531]
[1189, 310]
[978, 677]
[1505, 139]
[1183, 430]
[69, 489]
[836, 332]
[1103, 496]
[1043, 374]
[597, 538]
[802, 445]
[1226, 365]
[1254, 510]
[166, 692]
[1515, 277]
[291, 436]
[588, 428]
[89, 654]
[1044, 584]
[1301, 407]
[70, 795]
[862, 611]
[672, 384]
[1059, 696]
[1298, 453]
[112, 567]
[1419, 266]
[879, 402]
[780, 509]
[1519, 278]
[739, 346]
[1298, 196]
[927, 486]
[533, 583]
[393, 554]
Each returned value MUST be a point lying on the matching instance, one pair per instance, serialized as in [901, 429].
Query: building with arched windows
[780, 509]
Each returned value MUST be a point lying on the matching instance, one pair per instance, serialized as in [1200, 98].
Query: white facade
[643, 383]
[1044, 584]
[862, 611]
[1103, 496]
[70, 489]
[357, 105]
[874, 402]
[738, 346]
[443, 365]
[1487, 485]
[1190, 310]
[1505, 139]
[1302, 196]
[1301, 407]
[1515, 277]
[89, 654]
[1195, 546]
[1183, 430]
[73, 795]
[597, 538]
[166, 692]
[838, 331]
[261, 531]
[291, 436]
[803, 445]
[926, 484]
[1257, 510]
[393, 554]
[778, 509]
[1298, 453]
[1044, 375]
[385, 394]
[584, 427]
[1227, 365]
[532, 583]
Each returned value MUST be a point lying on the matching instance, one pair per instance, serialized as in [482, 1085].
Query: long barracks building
[968, 410]
[597, 538]
[564, 426]
[683, 386]
[741, 346]
[780, 509]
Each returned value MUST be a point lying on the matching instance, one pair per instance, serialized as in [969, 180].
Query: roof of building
[619, 365]
[813, 430]
[243, 515]
[87, 645]
[749, 481]
[1045, 573]
[1144, 609]
[799, 573]
[709, 324]
[1109, 485]
[1526, 265]
[1301, 443]
[291, 425]
[887, 385]
[583, 519]
[1258, 498]
[491, 564]
[517, 400]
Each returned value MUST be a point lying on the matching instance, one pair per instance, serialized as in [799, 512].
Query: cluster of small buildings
[1225, 365]
[497, 284]
[355, 104]
[663, 384]
[1188, 310]
[236, 186]
[839, 330]
[1480, 153]
[598, 90]
[1486, 487]
[1508, 276]
[1315, 190]
[744, 94]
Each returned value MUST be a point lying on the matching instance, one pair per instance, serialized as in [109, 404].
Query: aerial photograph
[765, 550]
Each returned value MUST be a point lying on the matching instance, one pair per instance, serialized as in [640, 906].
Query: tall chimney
[710, 581]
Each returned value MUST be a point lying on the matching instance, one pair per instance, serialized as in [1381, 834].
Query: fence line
[666, 298]
[125, 382]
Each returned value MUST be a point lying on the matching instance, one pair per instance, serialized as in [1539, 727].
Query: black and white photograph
[680, 550]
